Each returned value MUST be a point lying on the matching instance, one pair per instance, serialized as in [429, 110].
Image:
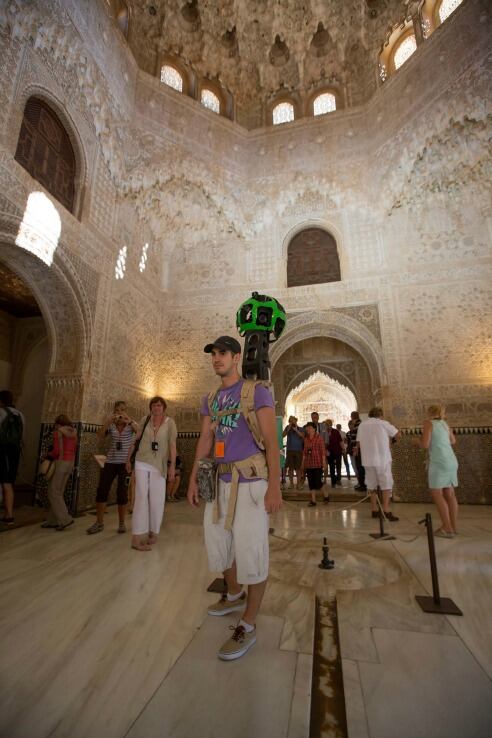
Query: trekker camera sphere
[261, 313]
[258, 319]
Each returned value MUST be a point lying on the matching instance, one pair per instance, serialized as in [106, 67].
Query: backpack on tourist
[11, 429]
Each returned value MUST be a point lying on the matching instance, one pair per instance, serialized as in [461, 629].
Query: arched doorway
[335, 344]
[42, 321]
[24, 358]
[55, 288]
[322, 394]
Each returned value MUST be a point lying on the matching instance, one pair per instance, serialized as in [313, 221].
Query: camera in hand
[155, 446]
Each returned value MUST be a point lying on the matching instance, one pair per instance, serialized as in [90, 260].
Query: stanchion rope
[349, 507]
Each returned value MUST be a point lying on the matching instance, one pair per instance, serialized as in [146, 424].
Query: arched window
[324, 103]
[404, 50]
[210, 100]
[45, 150]
[170, 76]
[283, 113]
[447, 7]
[312, 258]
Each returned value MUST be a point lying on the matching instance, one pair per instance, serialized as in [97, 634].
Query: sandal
[441, 533]
[151, 540]
[141, 547]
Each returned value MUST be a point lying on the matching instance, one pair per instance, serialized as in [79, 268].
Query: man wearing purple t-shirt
[237, 542]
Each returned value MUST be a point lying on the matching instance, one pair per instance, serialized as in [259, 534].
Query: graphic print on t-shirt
[227, 423]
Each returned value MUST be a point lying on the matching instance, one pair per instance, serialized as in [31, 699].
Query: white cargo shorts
[379, 476]
[247, 541]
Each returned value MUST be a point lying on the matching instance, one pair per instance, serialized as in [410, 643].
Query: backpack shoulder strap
[211, 397]
[247, 408]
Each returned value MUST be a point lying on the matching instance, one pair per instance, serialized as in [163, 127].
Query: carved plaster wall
[402, 182]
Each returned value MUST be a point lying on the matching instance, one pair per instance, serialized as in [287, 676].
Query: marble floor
[102, 641]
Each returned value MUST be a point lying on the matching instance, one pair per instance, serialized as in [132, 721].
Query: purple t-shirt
[233, 429]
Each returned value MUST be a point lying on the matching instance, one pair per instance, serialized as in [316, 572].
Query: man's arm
[267, 422]
[203, 448]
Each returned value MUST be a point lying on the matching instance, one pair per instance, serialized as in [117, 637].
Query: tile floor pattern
[92, 631]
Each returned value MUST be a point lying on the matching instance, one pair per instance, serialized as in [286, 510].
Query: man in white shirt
[374, 436]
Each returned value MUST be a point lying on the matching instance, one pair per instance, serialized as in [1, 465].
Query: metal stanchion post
[436, 603]
[326, 562]
[381, 534]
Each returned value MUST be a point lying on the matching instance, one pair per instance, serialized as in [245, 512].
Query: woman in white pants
[156, 443]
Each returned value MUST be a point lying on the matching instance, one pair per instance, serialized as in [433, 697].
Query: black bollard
[381, 534]
[326, 562]
[436, 603]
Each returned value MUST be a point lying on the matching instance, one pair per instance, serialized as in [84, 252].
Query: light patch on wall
[405, 51]
[119, 270]
[447, 7]
[143, 258]
[40, 229]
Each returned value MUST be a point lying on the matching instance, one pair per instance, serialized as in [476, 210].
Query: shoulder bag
[207, 479]
[137, 443]
[47, 466]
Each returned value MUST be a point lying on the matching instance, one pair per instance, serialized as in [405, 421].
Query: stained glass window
[170, 76]
[283, 113]
[447, 7]
[324, 103]
[210, 100]
[405, 51]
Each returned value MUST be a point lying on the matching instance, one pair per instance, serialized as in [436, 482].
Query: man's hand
[192, 494]
[273, 498]
[128, 467]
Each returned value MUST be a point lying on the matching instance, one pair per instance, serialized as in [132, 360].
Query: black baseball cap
[224, 343]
